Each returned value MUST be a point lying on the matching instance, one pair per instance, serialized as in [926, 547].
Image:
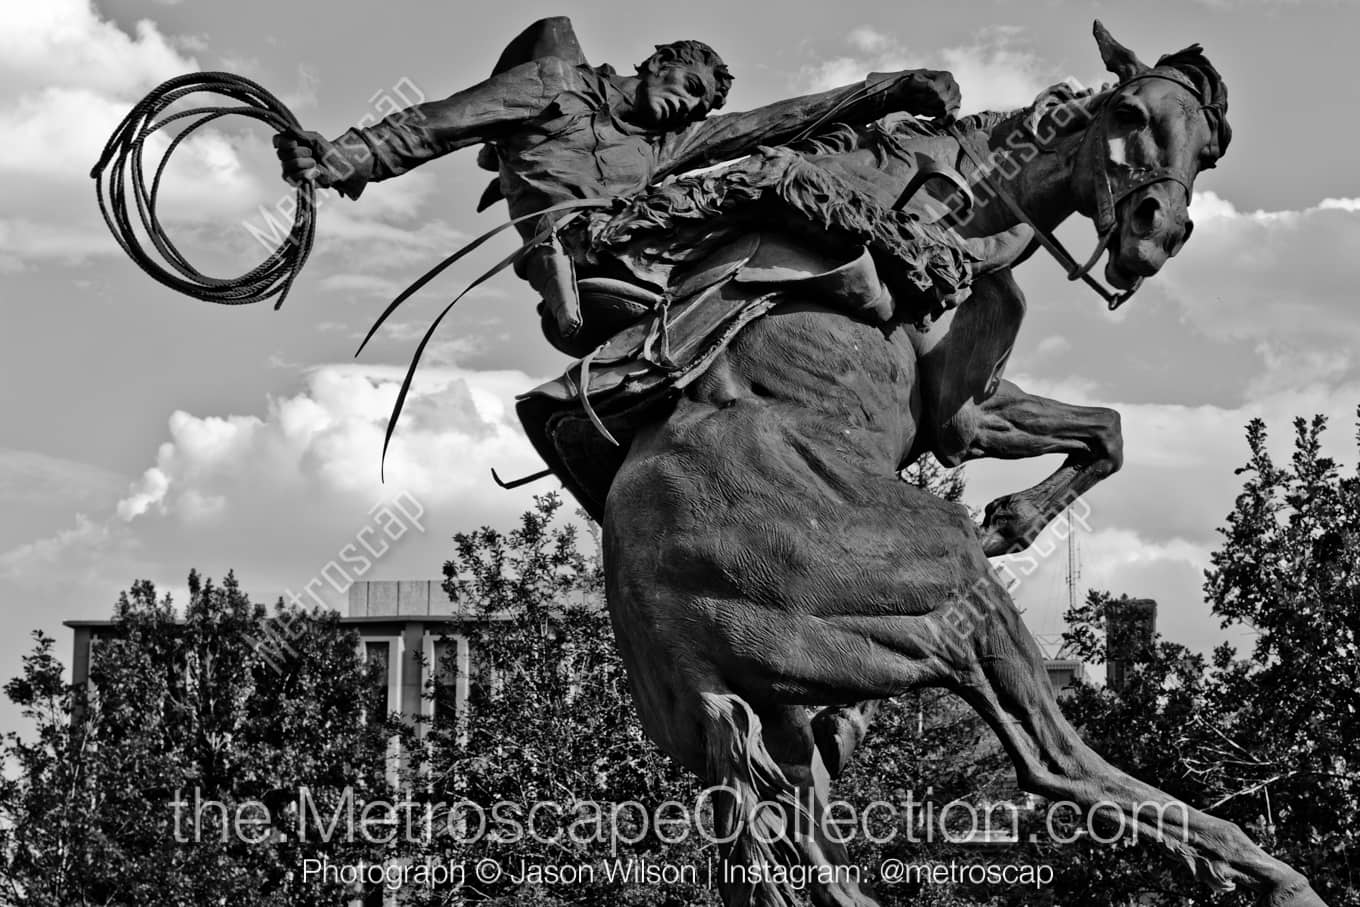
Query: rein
[1046, 238]
[1107, 199]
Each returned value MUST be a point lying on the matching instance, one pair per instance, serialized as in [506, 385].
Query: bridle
[1114, 184]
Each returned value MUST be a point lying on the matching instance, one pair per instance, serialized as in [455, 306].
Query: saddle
[582, 423]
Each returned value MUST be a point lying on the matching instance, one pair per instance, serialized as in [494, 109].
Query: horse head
[1145, 141]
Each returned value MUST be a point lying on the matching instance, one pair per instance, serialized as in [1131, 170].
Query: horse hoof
[997, 544]
[1009, 525]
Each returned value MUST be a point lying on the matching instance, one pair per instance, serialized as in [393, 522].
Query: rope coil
[121, 163]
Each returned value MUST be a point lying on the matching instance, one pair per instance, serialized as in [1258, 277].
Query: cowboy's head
[681, 83]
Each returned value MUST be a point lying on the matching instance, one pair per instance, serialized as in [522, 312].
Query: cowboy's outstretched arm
[420, 133]
[726, 136]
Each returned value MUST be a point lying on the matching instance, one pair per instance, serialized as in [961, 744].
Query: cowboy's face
[671, 95]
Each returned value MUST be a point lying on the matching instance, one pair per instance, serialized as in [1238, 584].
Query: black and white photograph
[698, 454]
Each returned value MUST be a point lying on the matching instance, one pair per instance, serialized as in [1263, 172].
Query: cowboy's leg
[549, 270]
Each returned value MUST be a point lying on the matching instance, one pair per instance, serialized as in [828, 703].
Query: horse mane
[1195, 66]
[993, 121]
[1191, 63]
[1006, 122]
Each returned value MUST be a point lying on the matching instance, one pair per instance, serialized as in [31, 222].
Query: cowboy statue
[558, 131]
[761, 348]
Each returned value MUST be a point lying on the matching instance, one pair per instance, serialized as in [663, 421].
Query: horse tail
[755, 807]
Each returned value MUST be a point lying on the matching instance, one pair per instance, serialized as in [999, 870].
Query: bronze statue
[741, 437]
[560, 130]
[763, 556]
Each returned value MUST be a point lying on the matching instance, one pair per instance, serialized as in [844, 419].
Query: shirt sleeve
[482, 113]
[733, 135]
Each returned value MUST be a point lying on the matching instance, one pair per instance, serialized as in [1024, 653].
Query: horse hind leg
[1007, 684]
[833, 880]
[753, 803]
[839, 730]
[718, 736]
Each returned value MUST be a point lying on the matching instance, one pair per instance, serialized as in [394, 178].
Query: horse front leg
[1012, 425]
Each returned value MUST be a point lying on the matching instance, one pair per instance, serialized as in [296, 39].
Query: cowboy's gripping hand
[924, 92]
[308, 157]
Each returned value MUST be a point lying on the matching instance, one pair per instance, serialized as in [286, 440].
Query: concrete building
[413, 628]
[408, 625]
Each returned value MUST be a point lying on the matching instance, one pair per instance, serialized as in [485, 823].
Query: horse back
[757, 327]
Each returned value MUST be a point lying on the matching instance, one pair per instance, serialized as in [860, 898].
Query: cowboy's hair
[693, 53]
[1195, 66]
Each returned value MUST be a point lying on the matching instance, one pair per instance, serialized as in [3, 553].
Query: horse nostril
[1148, 217]
[1174, 244]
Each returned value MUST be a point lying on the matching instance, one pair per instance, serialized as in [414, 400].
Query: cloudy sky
[147, 433]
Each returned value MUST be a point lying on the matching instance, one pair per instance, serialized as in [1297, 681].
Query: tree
[1289, 569]
[1152, 727]
[1267, 738]
[183, 713]
[549, 721]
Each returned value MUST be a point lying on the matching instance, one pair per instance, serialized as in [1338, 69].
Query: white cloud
[868, 40]
[38, 560]
[1054, 345]
[995, 72]
[24, 239]
[1151, 527]
[1121, 561]
[144, 495]
[31, 478]
[73, 75]
[361, 285]
[1283, 281]
[67, 44]
[276, 495]
[1270, 275]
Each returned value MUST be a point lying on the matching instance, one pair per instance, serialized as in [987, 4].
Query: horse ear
[1119, 60]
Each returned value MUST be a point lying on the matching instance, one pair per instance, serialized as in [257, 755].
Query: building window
[450, 697]
[383, 654]
[378, 658]
[484, 681]
[457, 682]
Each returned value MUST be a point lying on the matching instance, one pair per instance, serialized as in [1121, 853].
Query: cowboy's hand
[928, 93]
[307, 157]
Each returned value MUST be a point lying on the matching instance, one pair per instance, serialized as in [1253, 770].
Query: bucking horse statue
[769, 574]
[768, 354]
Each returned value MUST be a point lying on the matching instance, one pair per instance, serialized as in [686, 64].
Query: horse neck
[1042, 181]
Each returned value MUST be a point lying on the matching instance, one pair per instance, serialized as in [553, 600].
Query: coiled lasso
[121, 173]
